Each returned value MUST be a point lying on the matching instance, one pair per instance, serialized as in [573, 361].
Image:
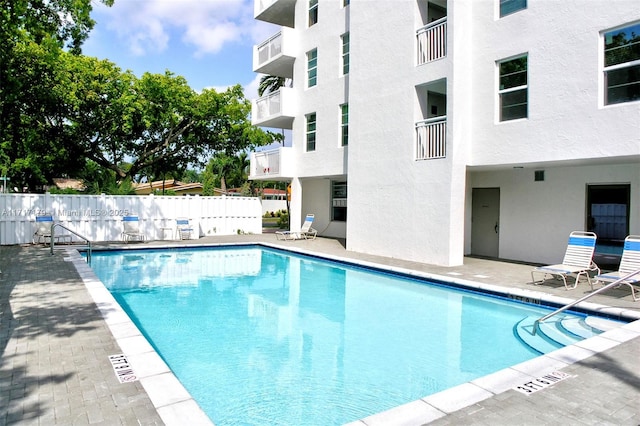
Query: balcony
[275, 109]
[276, 55]
[432, 41]
[431, 138]
[279, 12]
[272, 164]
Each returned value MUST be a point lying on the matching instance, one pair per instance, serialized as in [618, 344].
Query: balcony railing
[268, 105]
[431, 138]
[265, 163]
[270, 48]
[276, 109]
[432, 41]
[276, 55]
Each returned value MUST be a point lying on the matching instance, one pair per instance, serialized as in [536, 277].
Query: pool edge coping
[174, 404]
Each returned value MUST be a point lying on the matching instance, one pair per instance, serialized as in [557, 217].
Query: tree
[33, 34]
[157, 122]
[61, 111]
[270, 83]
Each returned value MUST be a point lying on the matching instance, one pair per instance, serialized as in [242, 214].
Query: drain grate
[122, 369]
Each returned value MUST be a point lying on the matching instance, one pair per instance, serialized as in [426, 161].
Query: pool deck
[58, 326]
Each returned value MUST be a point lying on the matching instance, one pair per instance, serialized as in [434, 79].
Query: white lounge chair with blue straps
[578, 260]
[183, 228]
[629, 263]
[43, 230]
[131, 229]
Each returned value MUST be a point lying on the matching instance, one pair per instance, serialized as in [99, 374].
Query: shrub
[283, 221]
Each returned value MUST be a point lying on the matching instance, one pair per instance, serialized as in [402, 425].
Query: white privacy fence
[99, 217]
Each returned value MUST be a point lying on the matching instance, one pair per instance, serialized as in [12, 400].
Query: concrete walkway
[55, 340]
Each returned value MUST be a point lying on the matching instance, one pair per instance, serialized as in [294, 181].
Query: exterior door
[485, 221]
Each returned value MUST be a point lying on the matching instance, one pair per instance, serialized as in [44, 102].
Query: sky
[209, 42]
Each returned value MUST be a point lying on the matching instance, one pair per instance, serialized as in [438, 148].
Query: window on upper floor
[508, 7]
[311, 131]
[312, 68]
[344, 124]
[345, 53]
[339, 201]
[313, 12]
[622, 65]
[345, 3]
[513, 89]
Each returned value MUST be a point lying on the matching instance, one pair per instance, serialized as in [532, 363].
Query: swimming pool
[260, 336]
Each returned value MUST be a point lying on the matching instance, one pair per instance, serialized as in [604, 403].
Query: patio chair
[578, 260]
[183, 229]
[131, 229]
[630, 262]
[43, 228]
[43, 231]
[306, 231]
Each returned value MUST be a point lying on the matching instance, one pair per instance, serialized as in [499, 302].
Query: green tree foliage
[33, 34]
[157, 121]
[269, 84]
[226, 171]
[62, 112]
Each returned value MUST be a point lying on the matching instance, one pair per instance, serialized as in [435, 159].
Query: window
[508, 7]
[513, 89]
[345, 53]
[345, 3]
[622, 65]
[312, 68]
[313, 12]
[344, 123]
[311, 131]
[339, 201]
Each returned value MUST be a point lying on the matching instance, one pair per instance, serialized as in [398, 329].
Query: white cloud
[148, 26]
[251, 89]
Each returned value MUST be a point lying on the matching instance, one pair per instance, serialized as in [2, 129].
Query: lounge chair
[43, 230]
[578, 260]
[183, 229]
[306, 231]
[630, 262]
[131, 229]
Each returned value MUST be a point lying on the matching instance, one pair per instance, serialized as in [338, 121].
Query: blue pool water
[264, 337]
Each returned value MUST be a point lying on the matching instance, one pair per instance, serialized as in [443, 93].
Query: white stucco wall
[537, 217]
[329, 157]
[566, 118]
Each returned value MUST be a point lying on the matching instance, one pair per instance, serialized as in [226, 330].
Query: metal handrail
[74, 233]
[575, 302]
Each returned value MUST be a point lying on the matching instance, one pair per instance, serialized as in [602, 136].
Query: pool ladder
[74, 233]
[619, 281]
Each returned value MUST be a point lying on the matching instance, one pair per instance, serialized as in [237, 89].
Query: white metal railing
[621, 281]
[88, 241]
[432, 41]
[269, 105]
[266, 163]
[431, 138]
[270, 48]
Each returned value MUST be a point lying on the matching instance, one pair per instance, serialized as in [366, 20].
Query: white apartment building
[430, 130]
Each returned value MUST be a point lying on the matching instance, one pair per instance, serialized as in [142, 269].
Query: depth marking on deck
[122, 369]
[541, 382]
